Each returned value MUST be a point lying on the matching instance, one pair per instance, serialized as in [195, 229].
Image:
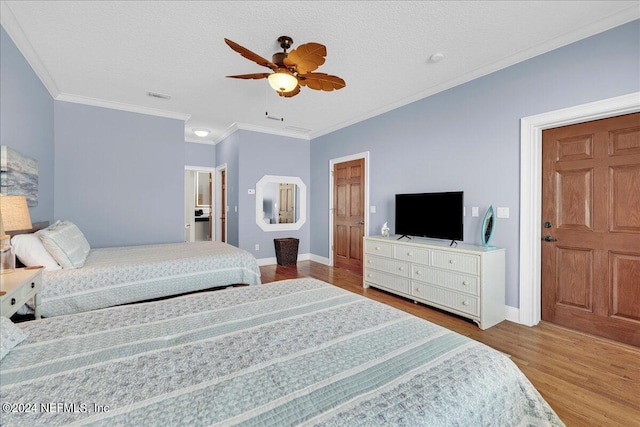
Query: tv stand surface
[467, 280]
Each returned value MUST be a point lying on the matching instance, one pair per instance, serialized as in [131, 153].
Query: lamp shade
[283, 81]
[14, 214]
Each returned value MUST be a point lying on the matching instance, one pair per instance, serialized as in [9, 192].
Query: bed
[295, 352]
[79, 278]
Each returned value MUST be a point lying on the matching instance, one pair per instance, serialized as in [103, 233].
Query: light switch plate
[252, 191]
[503, 212]
[372, 209]
[474, 211]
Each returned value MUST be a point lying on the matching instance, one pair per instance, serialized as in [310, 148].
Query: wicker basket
[286, 250]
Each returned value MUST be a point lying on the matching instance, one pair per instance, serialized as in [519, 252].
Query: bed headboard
[35, 227]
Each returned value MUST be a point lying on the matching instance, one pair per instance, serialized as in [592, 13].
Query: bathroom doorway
[199, 204]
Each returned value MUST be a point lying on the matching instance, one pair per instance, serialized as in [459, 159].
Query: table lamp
[14, 216]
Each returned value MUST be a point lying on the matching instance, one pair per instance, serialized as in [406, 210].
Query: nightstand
[20, 286]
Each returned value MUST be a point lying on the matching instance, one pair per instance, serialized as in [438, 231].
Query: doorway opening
[199, 204]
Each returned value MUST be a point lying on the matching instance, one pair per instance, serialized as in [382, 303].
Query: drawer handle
[400, 268]
[377, 248]
[417, 290]
[409, 254]
[13, 301]
[418, 273]
[465, 303]
[451, 261]
[369, 275]
[370, 261]
[465, 283]
[33, 285]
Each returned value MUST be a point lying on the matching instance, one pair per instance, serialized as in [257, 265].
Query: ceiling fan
[291, 69]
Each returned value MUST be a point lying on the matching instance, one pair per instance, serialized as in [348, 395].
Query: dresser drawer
[457, 262]
[389, 265]
[376, 247]
[462, 302]
[389, 281]
[445, 279]
[413, 254]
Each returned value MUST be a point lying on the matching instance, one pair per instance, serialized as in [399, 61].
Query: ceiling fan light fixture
[201, 132]
[282, 81]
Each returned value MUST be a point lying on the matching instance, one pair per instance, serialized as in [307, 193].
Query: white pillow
[10, 336]
[31, 252]
[66, 243]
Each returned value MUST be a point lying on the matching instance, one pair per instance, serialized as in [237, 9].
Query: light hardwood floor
[588, 381]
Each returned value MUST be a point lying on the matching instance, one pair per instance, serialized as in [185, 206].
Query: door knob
[548, 238]
[360, 222]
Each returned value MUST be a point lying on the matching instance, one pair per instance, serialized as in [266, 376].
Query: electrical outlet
[257, 247]
[372, 209]
[251, 191]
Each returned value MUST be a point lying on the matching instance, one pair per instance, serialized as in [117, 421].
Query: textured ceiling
[113, 53]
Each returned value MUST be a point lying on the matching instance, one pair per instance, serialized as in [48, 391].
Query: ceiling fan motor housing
[278, 58]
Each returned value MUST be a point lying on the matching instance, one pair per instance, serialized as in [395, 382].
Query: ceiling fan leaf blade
[322, 81]
[250, 55]
[307, 57]
[253, 76]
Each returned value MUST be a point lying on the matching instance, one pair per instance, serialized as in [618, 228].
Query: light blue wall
[199, 154]
[26, 121]
[264, 154]
[227, 152]
[119, 175]
[467, 138]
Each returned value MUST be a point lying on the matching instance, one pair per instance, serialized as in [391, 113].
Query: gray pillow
[10, 336]
[66, 244]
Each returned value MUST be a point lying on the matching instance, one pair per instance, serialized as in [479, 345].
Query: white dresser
[467, 280]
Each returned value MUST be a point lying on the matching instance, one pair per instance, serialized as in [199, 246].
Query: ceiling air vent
[158, 95]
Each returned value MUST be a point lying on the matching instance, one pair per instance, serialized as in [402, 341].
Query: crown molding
[280, 132]
[606, 23]
[95, 102]
[14, 30]
[261, 129]
[199, 141]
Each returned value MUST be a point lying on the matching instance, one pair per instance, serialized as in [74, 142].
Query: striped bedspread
[122, 275]
[296, 352]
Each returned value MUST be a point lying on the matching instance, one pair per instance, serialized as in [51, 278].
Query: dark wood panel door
[591, 227]
[223, 206]
[348, 214]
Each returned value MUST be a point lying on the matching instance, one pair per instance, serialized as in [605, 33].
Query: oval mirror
[281, 203]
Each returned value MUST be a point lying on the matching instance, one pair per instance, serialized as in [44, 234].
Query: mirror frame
[197, 187]
[302, 201]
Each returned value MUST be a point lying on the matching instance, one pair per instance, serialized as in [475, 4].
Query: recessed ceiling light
[201, 132]
[436, 57]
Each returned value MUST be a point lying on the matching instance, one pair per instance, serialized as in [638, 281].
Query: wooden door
[348, 214]
[287, 203]
[223, 206]
[211, 206]
[591, 221]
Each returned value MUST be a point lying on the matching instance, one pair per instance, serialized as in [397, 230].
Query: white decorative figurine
[385, 230]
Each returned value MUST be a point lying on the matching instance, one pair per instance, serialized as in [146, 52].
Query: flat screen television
[433, 215]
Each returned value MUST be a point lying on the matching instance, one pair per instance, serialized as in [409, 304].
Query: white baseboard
[320, 259]
[301, 257]
[512, 314]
